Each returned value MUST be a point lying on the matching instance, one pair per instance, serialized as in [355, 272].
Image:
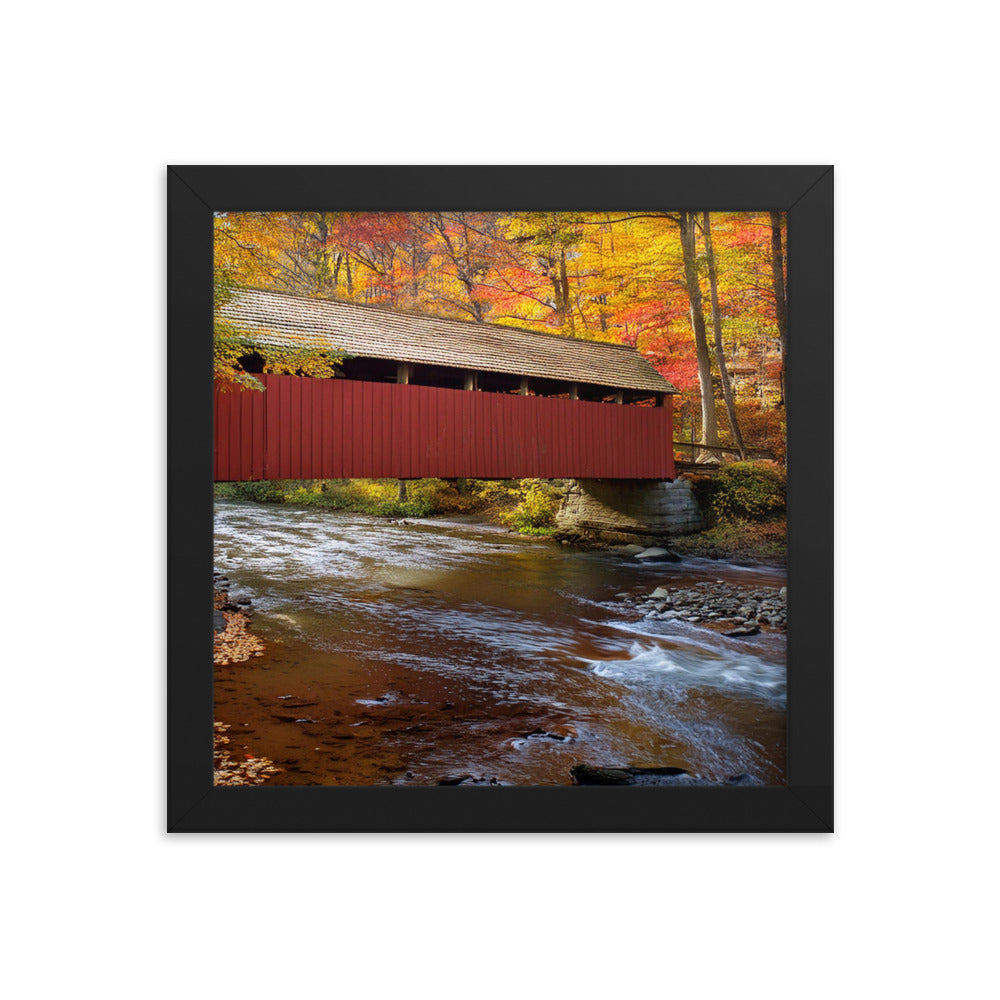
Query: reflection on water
[412, 653]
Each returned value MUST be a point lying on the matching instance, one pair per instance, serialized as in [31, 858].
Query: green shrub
[748, 491]
[535, 510]
[263, 492]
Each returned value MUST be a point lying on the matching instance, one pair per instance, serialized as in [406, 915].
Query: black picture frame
[804, 803]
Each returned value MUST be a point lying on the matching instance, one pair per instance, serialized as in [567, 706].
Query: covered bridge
[422, 396]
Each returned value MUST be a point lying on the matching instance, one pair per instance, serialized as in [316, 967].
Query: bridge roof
[367, 331]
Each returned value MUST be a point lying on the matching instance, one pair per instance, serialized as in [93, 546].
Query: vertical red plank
[387, 417]
[284, 405]
[607, 443]
[400, 449]
[515, 421]
[535, 448]
[428, 423]
[270, 415]
[477, 442]
[257, 465]
[335, 422]
[378, 432]
[485, 437]
[633, 440]
[318, 426]
[285, 425]
[564, 409]
[329, 428]
[596, 438]
[434, 406]
[440, 430]
[271, 428]
[363, 429]
[349, 432]
[558, 439]
[315, 418]
[461, 455]
[546, 429]
[385, 420]
[305, 440]
[283, 415]
[554, 439]
[546, 417]
[483, 433]
[283, 401]
[294, 427]
[576, 423]
[614, 441]
[215, 437]
[246, 433]
[616, 426]
[633, 457]
[362, 417]
[374, 429]
[454, 430]
[668, 433]
[577, 426]
[462, 409]
[389, 456]
[234, 437]
[401, 417]
[568, 409]
[367, 426]
[379, 439]
[505, 437]
[531, 434]
[433, 431]
[298, 429]
[418, 438]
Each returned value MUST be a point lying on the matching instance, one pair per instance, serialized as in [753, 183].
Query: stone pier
[628, 510]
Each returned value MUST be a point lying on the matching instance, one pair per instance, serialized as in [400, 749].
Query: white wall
[99, 98]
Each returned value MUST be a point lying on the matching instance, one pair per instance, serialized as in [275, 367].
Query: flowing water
[415, 653]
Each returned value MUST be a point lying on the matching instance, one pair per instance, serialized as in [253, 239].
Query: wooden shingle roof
[367, 331]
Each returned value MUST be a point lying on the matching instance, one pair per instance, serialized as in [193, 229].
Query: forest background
[701, 295]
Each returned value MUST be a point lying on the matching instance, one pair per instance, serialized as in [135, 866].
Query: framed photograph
[500, 499]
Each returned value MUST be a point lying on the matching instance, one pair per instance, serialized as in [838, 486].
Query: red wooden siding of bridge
[303, 428]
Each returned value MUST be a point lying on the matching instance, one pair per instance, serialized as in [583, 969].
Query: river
[416, 653]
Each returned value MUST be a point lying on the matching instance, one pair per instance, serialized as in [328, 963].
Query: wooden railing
[694, 447]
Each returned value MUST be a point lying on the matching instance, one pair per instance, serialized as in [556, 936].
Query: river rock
[219, 622]
[743, 630]
[655, 554]
[585, 774]
[660, 592]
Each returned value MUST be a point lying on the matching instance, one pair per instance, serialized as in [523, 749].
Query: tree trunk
[720, 354]
[709, 426]
[780, 301]
[567, 316]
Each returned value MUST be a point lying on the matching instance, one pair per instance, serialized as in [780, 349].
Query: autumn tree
[780, 301]
[720, 353]
[709, 424]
